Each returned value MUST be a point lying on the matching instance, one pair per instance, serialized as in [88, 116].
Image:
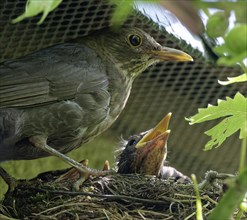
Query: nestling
[146, 152]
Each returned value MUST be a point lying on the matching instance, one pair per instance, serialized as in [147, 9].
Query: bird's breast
[119, 89]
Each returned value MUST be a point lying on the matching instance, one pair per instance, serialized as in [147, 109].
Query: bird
[145, 153]
[58, 98]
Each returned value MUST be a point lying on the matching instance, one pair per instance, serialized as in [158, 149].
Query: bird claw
[106, 166]
[81, 176]
[84, 176]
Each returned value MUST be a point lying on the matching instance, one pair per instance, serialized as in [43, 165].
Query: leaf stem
[242, 162]
[198, 199]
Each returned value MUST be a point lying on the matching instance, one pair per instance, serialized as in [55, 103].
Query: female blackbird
[56, 99]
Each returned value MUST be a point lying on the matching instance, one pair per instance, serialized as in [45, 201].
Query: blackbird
[56, 99]
[146, 152]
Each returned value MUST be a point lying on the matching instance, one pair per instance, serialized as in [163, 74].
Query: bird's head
[145, 153]
[133, 50]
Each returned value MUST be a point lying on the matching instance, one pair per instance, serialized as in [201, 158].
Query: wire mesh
[179, 88]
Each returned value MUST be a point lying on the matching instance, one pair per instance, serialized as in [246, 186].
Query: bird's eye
[135, 40]
[132, 142]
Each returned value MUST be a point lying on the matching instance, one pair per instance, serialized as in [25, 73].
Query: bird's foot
[9, 180]
[80, 176]
[81, 168]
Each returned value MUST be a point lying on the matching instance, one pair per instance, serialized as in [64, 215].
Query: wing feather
[48, 75]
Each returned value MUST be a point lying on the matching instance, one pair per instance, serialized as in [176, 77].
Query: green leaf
[34, 7]
[234, 50]
[236, 39]
[217, 24]
[221, 50]
[232, 60]
[235, 111]
[230, 80]
[224, 129]
[122, 11]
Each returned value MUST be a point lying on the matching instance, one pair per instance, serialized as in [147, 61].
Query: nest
[50, 196]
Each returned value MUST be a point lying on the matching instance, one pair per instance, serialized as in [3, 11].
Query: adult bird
[56, 99]
[145, 153]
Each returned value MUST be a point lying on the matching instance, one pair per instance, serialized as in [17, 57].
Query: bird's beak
[151, 149]
[170, 54]
[160, 131]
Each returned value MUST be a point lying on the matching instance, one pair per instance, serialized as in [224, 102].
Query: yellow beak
[171, 54]
[161, 129]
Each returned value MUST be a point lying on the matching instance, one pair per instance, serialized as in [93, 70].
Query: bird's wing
[48, 76]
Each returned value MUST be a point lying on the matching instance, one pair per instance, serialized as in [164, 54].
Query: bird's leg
[9, 180]
[41, 142]
[74, 174]
[79, 182]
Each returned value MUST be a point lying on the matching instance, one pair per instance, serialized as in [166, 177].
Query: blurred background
[180, 88]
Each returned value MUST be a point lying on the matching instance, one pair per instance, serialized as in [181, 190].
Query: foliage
[230, 80]
[213, 28]
[234, 49]
[232, 198]
[123, 10]
[231, 52]
[35, 7]
[235, 111]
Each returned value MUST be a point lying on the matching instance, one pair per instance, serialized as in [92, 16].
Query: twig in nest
[104, 196]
